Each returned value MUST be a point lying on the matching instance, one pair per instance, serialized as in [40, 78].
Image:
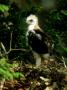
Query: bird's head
[32, 20]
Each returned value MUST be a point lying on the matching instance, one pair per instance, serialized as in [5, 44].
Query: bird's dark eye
[31, 20]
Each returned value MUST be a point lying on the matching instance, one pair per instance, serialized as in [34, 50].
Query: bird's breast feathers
[36, 41]
[34, 34]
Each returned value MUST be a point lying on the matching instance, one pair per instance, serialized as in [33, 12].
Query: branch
[2, 84]
[3, 47]
[24, 50]
[64, 62]
[10, 49]
[11, 40]
[7, 52]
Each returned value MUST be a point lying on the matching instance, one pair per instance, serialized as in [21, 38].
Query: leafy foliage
[7, 72]
[4, 8]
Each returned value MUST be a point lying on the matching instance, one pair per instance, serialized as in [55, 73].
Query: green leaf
[4, 8]
[6, 74]
[64, 12]
[6, 70]
[17, 75]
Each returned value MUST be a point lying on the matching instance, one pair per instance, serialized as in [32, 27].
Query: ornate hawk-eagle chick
[39, 41]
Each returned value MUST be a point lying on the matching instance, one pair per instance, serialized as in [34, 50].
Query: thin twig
[64, 62]
[11, 40]
[3, 47]
[0, 50]
[25, 50]
[7, 52]
[2, 84]
[10, 49]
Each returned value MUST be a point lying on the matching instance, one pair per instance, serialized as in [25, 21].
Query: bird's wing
[46, 38]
